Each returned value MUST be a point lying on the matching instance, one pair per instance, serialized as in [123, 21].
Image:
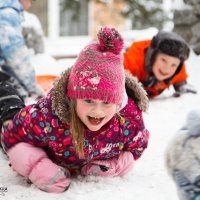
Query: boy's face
[165, 66]
[94, 113]
[26, 4]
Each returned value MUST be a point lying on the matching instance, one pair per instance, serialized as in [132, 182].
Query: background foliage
[142, 13]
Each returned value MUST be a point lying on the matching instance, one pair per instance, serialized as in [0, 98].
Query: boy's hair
[171, 44]
[168, 43]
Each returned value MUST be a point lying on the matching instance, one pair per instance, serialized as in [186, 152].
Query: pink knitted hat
[98, 72]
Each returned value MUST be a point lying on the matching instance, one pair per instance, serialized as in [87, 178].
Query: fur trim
[183, 154]
[136, 91]
[60, 102]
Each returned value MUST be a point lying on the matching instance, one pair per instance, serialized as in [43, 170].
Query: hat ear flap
[187, 52]
[154, 42]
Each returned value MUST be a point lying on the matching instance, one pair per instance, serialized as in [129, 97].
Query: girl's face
[165, 66]
[26, 4]
[94, 113]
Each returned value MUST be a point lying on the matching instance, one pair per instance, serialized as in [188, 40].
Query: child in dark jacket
[86, 124]
[159, 63]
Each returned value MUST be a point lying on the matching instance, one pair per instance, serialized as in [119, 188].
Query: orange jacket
[134, 62]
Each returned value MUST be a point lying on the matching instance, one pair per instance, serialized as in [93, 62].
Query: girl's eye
[106, 103]
[174, 65]
[88, 101]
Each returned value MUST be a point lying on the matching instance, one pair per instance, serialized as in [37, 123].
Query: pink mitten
[125, 163]
[33, 163]
[117, 166]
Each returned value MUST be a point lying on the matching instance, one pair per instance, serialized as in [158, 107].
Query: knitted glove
[182, 88]
[33, 163]
[117, 166]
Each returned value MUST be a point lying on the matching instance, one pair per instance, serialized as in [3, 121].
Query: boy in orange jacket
[159, 63]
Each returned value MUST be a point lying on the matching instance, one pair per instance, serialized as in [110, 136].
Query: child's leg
[10, 101]
[33, 163]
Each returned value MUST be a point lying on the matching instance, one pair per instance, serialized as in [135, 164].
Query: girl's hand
[184, 88]
[117, 166]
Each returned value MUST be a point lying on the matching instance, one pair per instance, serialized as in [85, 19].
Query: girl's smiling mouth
[95, 120]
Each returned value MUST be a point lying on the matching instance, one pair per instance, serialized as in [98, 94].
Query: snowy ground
[148, 180]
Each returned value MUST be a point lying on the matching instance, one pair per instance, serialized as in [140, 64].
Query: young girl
[85, 124]
[159, 63]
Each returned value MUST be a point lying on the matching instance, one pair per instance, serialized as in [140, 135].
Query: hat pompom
[110, 40]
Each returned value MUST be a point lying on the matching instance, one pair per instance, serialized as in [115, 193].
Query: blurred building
[107, 13]
[69, 27]
[59, 20]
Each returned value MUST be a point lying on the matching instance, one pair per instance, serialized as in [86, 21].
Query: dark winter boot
[4, 76]
[10, 101]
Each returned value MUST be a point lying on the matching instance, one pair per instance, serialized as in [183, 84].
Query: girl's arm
[135, 134]
[27, 126]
